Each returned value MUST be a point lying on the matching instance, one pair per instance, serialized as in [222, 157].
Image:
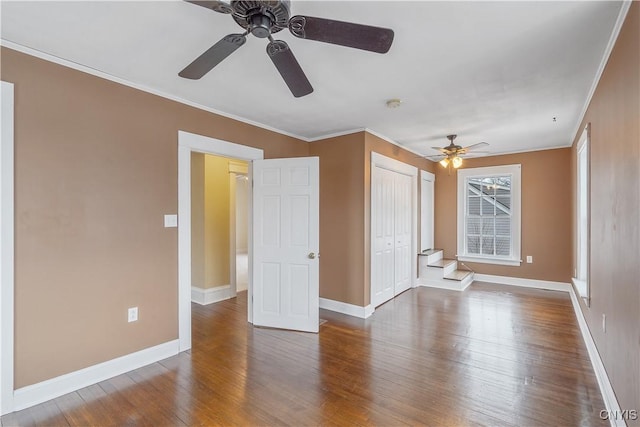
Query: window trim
[516, 197]
[582, 242]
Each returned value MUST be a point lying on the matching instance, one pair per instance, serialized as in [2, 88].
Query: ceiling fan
[263, 18]
[451, 154]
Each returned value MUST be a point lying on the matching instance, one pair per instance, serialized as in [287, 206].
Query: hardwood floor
[492, 355]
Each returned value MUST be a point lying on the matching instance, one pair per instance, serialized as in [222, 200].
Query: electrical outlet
[133, 314]
[529, 259]
[604, 323]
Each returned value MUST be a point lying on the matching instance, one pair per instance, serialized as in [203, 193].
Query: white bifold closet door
[391, 207]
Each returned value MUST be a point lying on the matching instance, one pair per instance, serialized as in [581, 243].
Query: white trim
[391, 141]
[385, 162]
[583, 241]
[345, 308]
[50, 389]
[369, 131]
[624, 9]
[581, 287]
[6, 249]
[515, 171]
[106, 76]
[524, 283]
[494, 260]
[188, 142]
[210, 295]
[430, 178]
[610, 402]
[336, 134]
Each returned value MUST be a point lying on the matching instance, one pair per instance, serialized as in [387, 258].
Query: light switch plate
[132, 314]
[529, 259]
[170, 221]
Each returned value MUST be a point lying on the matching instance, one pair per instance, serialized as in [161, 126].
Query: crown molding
[88, 70]
[624, 9]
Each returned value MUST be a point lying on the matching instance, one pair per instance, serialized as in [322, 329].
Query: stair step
[458, 275]
[429, 252]
[442, 263]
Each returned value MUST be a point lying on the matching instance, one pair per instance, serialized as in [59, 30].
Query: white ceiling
[489, 71]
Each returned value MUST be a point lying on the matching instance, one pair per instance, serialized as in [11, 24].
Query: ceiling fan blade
[365, 37]
[216, 5]
[443, 150]
[289, 69]
[474, 146]
[475, 154]
[213, 56]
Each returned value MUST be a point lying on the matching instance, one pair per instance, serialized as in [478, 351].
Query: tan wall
[216, 221]
[614, 114]
[197, 220]
[345, 191]
[546, 214]
[341, 217]
[95, 171]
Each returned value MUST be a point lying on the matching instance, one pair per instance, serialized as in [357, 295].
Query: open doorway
[189, 143]
[219, 227]
[287, 198]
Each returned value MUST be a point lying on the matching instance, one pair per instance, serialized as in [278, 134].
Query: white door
[402, 204]
[382, 239]
[286, 243]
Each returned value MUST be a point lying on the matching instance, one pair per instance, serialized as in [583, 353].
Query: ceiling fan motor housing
[261, 17]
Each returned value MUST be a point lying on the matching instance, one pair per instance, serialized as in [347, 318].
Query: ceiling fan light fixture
[457, 162]
[444, 162]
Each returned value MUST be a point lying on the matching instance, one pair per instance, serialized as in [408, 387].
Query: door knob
[311, 255]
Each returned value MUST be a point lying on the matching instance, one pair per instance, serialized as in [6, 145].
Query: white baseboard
[610, 402]
[525, 283]
[55, 387]
[348, 309]
[210, 295]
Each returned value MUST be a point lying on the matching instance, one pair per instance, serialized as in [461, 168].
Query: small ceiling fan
[451, 154]
[263, 18]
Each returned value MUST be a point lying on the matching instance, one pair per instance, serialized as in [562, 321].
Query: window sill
[484, 260]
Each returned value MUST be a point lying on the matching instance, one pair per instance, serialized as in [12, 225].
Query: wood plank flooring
[492, 355]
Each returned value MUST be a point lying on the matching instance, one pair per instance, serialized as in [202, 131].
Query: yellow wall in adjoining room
[197, 220]
[216, 221]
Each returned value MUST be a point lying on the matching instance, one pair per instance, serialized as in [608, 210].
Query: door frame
[380, 161]
[427, 177]
[188, 143]
[7, 249]
[235, 170]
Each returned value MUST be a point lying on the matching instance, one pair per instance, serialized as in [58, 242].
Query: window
[489, 215]
[581, 278]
